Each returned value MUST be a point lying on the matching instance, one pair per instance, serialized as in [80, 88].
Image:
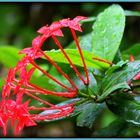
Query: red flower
[18, 83]
[15, 111]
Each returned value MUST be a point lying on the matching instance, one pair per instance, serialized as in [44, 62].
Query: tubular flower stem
[59, 69]
[64, 94]
[38, 99]
[53, 115]
[48, 75]
[51, 108]
[83, 60]
[74, 68]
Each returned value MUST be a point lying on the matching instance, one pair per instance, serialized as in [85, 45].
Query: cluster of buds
[18, 83]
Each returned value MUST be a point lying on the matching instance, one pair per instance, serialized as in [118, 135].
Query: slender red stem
[59, 69]
[52, 115]
[81, 54]
[41, 108]
[102, 60]
[74, 68]
[48, 75]
[44, 91]
[51, 108]
[64, 94]
[38, 99]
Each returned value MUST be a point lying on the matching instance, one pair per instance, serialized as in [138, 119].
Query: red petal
[36, 41]
[64, 22]
[131, 58]
[43, 30]
[57, 33]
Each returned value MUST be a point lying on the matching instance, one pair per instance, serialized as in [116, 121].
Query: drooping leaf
[126, 106]
[118, 79]
[89, 112]
[9, 56]
[57, 56]
[108, 32]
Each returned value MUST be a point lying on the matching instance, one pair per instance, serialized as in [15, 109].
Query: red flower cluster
[18, 82]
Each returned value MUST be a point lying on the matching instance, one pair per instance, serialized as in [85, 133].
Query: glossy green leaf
[126, 106]
[57, 56]
[85, 42]
[118, 79]
[116, 66]
[90, 111]
[108, 32]
[9, 56]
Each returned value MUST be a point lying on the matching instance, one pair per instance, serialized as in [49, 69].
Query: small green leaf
[131, 13]
[89, 113]
[57, 56]
[118, 79]
[126, 106]
[9, 56]
[108, 32]
[115, 67]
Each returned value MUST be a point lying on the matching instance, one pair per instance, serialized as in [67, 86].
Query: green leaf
[125, 106]
[133, 50]
[90, 111]
[115, 67]
[85, 42]
[9, 56]
[108, 32]
[131, 13]
[57, 56]
[118, 79]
